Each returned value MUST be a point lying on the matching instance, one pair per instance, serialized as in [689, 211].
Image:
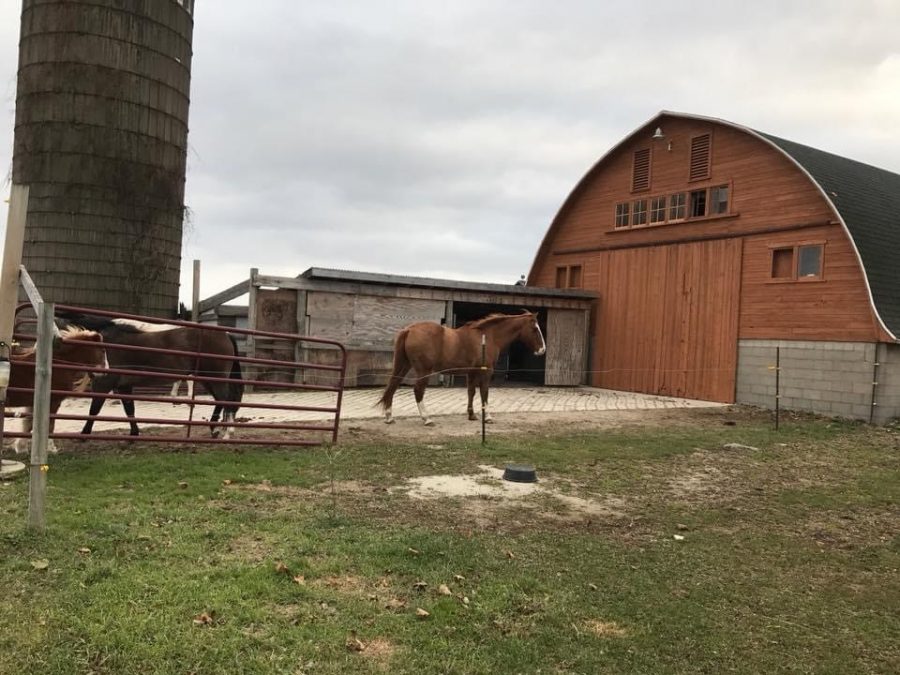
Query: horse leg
[96, 404]
[470, 384]
[128, 407]
[24, 444]
[400, 367]
[419, 390]
[484, 382]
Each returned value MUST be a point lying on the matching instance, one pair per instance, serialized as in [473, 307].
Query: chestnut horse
[78, 361]
[430, 348]
[213, 357]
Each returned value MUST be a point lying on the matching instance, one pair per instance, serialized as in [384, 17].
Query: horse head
[531, 334]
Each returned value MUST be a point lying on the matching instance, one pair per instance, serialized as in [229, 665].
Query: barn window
[640, 175]
[622, 214]
[676, 206]
[718, 199]
[798, 263]
[783, 263]
[809, 261]
[640, 212]
[699, 168]
[568, 276]
[658, 210]
[698, 203]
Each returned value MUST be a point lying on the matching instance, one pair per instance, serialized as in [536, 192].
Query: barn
[364, 311]
[719, 252]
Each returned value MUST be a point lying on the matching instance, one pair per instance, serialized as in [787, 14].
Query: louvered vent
[640, 178]
[700, 157]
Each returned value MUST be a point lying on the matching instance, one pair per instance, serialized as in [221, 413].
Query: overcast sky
[440, 138]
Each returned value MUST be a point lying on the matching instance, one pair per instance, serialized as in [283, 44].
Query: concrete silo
[101, 139]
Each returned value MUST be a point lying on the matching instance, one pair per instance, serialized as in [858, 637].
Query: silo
[101, 139]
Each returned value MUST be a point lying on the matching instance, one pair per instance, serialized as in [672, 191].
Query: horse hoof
[390, 420]
[473, 418]
[429, 423]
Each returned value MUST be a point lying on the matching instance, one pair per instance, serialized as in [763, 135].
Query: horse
[84, 359]
[429, 348]
[214, 357]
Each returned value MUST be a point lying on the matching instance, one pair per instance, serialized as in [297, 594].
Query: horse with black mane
[429, 348]
[72, 364]
[205, 354]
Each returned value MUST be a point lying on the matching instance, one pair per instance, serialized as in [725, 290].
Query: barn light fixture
[658, 134]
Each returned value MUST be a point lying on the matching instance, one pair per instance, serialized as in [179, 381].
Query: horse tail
[400, 368]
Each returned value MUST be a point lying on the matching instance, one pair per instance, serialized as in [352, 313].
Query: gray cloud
[425, 138]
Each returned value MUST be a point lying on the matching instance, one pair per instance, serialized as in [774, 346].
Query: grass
[273, 561]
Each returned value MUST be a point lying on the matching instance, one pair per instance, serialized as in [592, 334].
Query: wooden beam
[12, 259]
[235, 291]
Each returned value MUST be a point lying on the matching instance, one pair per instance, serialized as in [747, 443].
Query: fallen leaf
[227, 481]
[281, 568]
[593, 587]
[182, 484]
[443, 590]
[681, 526]
[510, 555]
[414, 551]
[354, 644]
[677, 537]
[204, 619]
[299, 579]
[465, 600]
[395, 603]
[40, 564]
[458, 577]
[421, 613]
[420, 585]
[84, 549]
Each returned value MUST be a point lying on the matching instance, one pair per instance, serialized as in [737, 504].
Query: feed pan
[520, 473]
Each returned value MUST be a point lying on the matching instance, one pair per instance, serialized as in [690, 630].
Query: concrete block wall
[829, 378]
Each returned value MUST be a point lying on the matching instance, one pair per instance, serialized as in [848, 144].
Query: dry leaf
[299, 579]
[354, 644]
[593, 587]
[465, 600]
[204, 619]
[509, 554]
[414, 551]
[227, 481]
[677, 537]
[40, 564]
[182, 484]
[420, 585]
[281, 568]
[421, 613]
[458, 577]
[84, 549]
[395, 603]
[443, 590]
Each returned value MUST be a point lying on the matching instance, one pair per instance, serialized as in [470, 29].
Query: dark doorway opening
[515, 365]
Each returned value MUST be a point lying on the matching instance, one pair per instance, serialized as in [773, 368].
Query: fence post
[777, 386]
[481, 386]
[40, 430]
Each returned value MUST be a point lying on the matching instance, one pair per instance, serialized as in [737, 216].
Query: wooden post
[251, 324]
[195, 293]
[40, 432]
[12, 258]
[480, 388]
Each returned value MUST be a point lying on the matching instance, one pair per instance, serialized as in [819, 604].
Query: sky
[440, 138]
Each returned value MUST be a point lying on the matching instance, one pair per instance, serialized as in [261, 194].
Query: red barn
[712, 246]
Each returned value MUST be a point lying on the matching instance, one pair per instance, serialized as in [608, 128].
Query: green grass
[789, 561]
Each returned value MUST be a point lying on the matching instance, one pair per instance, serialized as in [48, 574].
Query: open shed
[365, 310]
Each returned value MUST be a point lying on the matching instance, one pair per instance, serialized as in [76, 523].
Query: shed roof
[326, 274]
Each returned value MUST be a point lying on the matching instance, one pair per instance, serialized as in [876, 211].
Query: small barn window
[658, 210]
[718, 199]
[640, 212]
[698, 203]
[809, 261]
[640, 176]
[700, 146]
[783, 263]
[568, 276]
[622, 214]
[676, 206]
[798, 263]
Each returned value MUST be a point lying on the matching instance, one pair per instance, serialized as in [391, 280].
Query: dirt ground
[543, 423]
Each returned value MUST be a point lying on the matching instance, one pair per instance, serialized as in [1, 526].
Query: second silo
[101, 139]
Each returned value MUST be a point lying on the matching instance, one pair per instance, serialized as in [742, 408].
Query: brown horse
[82, 358]
[430, 348]
[213, 356]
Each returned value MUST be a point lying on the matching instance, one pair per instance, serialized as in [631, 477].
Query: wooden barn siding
[769, 197]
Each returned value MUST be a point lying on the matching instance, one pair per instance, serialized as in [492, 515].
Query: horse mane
[493, 318]
[67, 333]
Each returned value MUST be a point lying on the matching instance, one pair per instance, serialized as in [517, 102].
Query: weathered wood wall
[101, 139]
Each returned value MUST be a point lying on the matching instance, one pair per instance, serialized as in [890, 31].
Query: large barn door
[566, 349]
[668, 320]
